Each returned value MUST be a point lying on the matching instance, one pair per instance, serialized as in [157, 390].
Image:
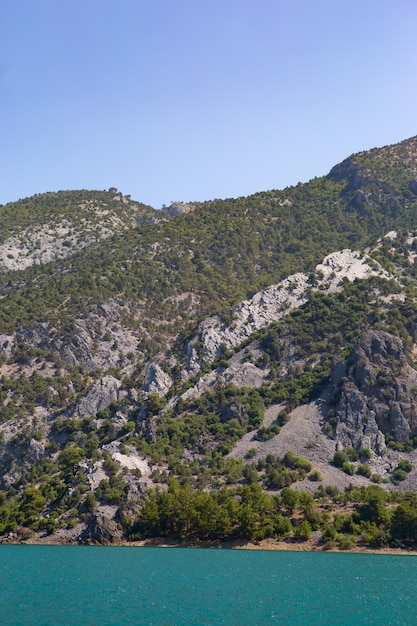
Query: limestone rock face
[344, 264]
[271, 305]
[36, 450]
[377, 397]
[149, 429]
[105, 391]
[233, 410]
[245, 375]
[357, 426]
[6, 345]
[101, 529]
[338, 371]
[97, 340]
[156, 380]
[79, 350]
[178, 208]
[266, 306]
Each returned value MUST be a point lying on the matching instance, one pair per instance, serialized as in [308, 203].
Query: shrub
[398, 475]
[405, 465]
[332, 491]
[266, 432]
[376, 478]
[348, 468]
[346, 542]
[283, 418]
[339, 458]
[315, 476]
[365, 453]
[293, 461]
[351, 452]
[364, 470]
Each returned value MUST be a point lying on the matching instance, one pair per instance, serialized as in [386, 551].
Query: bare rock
[357, 426]
[245, 375]
[338, 371]
[78, 351]
[156, 380]
[378, 395]
[105, 391]
[178, 208]
[6, 346]
[233, 410]
[149, 429]
[101, 529]
[36, 451]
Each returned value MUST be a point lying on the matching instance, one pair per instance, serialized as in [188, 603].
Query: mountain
[210, 356]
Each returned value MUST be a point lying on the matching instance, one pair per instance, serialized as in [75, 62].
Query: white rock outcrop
[105, 391]
[156, 380]
[272, 304]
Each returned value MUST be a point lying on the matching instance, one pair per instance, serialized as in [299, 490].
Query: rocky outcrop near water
[101, 529]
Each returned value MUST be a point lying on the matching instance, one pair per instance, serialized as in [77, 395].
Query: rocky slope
[126, 355]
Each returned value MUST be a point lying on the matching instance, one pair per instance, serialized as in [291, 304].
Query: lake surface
[69, 585]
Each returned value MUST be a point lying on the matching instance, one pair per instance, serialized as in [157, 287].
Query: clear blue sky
[198, 99]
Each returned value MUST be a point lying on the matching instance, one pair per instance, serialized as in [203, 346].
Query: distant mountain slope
[77, 220]
[218, 254]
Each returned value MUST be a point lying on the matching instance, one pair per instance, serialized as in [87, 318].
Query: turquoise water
[42, 585]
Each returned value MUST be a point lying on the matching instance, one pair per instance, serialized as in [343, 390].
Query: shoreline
[268, 544]
[236, 544]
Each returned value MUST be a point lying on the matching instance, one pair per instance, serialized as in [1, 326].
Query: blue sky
[198, 99]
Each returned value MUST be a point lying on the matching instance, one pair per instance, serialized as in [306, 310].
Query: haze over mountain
[231, 347]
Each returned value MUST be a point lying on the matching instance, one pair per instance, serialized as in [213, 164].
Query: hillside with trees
[230, 369]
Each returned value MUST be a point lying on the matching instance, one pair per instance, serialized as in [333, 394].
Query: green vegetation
[162, 277]
[276, 233]
[378, 518]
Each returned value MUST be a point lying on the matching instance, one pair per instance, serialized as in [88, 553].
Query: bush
[364, 470]
[332, 491]
[405, 465]
[348, 468]
[351, 452]
[293, 461]
[376, 478]
[346, 542]
[365, 453]
[398, 475]
[283, 418]
[315, 476]
[266, 432]
[339, 458]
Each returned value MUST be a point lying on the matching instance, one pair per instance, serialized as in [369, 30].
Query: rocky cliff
[377, 389]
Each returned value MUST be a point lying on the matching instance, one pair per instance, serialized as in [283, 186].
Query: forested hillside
[252, 355]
